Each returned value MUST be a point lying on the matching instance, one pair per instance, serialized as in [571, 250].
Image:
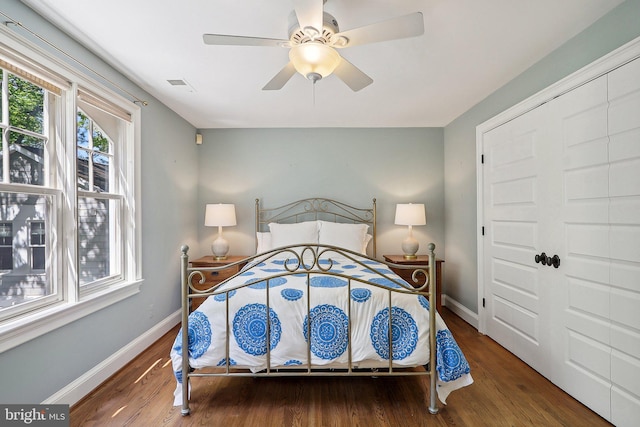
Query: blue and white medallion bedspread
[329, 327]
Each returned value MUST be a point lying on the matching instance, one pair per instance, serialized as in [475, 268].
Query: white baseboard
[82, 386]
[460, 310]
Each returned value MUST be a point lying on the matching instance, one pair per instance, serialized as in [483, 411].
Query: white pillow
[365, 244]
[347, 236]
[264, 242]
[290, 234]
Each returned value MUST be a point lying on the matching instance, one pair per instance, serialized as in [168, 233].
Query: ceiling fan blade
[309, 13]
[352, 76]
[411, 25]
[280, 79]
[221, 39]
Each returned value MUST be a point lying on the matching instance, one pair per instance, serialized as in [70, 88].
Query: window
[24, 196]
[23, 150]
[77, 174]
[97, 213]
[37, 245]
[95, 153]
[6, 246]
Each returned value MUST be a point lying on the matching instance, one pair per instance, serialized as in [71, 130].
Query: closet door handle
[548, 260]
[542, 258]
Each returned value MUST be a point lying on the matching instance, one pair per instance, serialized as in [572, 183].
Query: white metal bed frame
[307, 261]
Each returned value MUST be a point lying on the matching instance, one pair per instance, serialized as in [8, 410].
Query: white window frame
[70, 303]
[114, 194]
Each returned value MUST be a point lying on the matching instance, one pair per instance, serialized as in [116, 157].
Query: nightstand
[213, 277]
[420, 260]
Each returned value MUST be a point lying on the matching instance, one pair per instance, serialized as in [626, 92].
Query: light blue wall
[39, 368]
[610, 32]
[394, 165]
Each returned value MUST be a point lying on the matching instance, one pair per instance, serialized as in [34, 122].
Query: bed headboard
[317, 208]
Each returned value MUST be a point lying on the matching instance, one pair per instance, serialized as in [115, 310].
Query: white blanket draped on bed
[332, 303]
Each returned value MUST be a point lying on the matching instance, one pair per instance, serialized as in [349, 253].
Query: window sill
[17, 332]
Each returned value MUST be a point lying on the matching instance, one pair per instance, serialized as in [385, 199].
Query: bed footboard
[310, 261]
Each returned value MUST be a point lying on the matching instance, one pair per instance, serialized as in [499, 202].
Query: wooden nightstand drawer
[422, 260]
[213, 277]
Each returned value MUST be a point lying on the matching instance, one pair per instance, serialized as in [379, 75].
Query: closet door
[624, 214]
[564, 179]
[516, 175]
[580, 340]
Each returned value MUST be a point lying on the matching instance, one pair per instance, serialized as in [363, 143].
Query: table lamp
[220, 215]
[410, 214]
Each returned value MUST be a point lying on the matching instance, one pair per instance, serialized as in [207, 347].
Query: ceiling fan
[314, 37]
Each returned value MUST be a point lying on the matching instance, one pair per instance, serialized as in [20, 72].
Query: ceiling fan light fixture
[314, 60]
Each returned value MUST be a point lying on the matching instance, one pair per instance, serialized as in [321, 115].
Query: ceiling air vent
[181, 84]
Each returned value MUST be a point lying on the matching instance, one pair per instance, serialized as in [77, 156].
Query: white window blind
[90, 103]
[34, 73]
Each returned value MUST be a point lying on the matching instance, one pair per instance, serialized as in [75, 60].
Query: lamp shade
[314, 60]
[220, 214]
[410, 214]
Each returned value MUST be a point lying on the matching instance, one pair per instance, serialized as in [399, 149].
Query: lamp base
[410, 247]
[220, 248]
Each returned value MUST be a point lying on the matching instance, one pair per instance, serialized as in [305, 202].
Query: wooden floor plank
[506, 392]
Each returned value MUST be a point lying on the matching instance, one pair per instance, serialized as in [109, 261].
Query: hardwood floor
[506, 392]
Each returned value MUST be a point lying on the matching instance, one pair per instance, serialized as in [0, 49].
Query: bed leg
[184, 264]
[433, 399]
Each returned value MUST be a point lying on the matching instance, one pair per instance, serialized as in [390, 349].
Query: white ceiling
[470, 48]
